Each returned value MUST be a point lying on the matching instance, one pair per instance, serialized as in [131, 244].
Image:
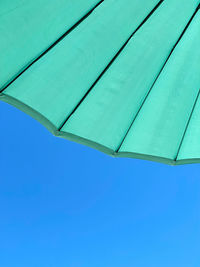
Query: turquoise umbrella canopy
[121, 76]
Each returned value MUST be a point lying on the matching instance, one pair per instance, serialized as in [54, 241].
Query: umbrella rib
[187, 125]
[110, 63]
[55, 43]
[179, 39]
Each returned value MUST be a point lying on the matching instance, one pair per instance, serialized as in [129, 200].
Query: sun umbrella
[121, 76]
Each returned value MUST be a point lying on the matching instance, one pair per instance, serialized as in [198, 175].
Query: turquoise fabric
[27, 28]
[125, 79]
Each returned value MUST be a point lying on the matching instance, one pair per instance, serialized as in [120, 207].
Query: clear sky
[67, 205]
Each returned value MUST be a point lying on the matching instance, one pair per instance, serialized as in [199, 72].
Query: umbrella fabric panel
[107, 112]
[27, 28]
[160, 125]
[190, 148]
[55, 84]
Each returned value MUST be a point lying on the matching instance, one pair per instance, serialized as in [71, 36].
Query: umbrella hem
[81, 140]
[30, 111]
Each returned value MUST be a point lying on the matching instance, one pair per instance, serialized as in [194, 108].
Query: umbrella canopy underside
[121, 76]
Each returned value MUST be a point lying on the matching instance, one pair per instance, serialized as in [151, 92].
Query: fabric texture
[121, 76]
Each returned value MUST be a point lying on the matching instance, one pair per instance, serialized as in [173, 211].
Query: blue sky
[66, 205]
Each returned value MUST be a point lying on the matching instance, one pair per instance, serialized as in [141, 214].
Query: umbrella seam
[53, 45]
[110, 63]
[171, 52]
